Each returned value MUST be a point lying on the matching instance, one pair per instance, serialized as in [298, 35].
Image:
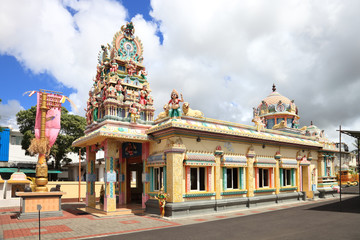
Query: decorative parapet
[283, 189]
[233, 193]
[192, 195]
[234, 160]
[265, 190]
[265, 161]
[199, 158]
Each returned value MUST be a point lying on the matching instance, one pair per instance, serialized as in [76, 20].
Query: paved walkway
[76, 224]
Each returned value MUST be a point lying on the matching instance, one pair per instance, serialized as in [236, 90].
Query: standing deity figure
[114, 67]
[95, 105]
[143, 95]
[120, 91]
[88, 109]
[161, 197]
[131, 67]
[296, 122]
[105, 56]
[111, 91]
[134, 113]
[175, 104]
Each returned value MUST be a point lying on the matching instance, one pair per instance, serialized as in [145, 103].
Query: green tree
[72, 127]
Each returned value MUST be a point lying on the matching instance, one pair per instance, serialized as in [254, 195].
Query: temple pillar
[90, 178]
[145, 155]
[250, 183]
[321, 165]
[299, 176]
[217, 172]
[175, 153]
[277, 173]
[111, 153]
[122, 170]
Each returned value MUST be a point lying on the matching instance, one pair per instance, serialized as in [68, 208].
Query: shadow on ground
[349, 205]
[73, 208]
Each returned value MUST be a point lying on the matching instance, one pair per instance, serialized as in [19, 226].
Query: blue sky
[17, 79]
[223, 56]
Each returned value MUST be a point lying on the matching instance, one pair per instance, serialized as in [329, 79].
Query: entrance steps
[125, 209]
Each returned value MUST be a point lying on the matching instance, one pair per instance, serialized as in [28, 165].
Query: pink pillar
[187, 179]
[256, 178]
[209, 179]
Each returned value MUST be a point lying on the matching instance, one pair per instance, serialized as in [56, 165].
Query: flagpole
[79, 175]
[41, 166]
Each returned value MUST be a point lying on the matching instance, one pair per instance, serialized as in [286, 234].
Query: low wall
[71, 189]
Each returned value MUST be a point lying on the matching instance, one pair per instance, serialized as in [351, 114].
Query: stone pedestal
[49, 201]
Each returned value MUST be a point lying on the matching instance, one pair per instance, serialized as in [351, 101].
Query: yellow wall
[72, 188]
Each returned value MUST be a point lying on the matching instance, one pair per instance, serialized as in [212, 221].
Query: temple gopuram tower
[119, 111]
[121, 91]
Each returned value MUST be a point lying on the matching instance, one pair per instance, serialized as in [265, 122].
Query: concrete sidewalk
[76, 224]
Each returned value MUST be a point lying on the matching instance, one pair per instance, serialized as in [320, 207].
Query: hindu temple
[200, 164]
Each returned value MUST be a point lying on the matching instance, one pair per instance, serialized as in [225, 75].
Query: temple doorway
[134, 183]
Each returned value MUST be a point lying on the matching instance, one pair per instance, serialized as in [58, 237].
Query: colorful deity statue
[114, 67]
[143, 95]
[131, 67]
[128, 30]
[296, 122]
[134, 113]
[111, 91]
[143, 73]
[161, 197]
[89, 109]
[120, 91]
[175, 104]
[95, 106]
[105, 55]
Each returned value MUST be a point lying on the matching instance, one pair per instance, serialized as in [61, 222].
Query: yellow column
[90, 178]
[217, 173]
[174, 172]
[111, 154]
[250, 181]
[277, 178]
[321, 166]
[298, 176]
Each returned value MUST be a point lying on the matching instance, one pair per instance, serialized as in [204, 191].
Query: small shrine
[9, 188]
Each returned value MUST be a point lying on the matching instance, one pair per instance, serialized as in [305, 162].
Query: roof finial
[273, 87]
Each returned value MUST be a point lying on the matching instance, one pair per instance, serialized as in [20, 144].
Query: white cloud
[8, 113]
[223, 56]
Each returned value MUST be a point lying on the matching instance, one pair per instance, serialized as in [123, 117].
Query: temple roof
[212, 126]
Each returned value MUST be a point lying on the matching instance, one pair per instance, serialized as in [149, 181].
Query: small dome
[314, 131]
[277, 111]
[275, 97]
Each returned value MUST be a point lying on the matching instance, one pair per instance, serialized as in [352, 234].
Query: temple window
[158, 178]
[278, 120]
[289, 122]
[263, 177]
[287, 177]
[198, 179]
[232, 179]
[270, 123]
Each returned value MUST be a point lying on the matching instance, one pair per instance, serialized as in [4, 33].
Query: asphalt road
[314, 221]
